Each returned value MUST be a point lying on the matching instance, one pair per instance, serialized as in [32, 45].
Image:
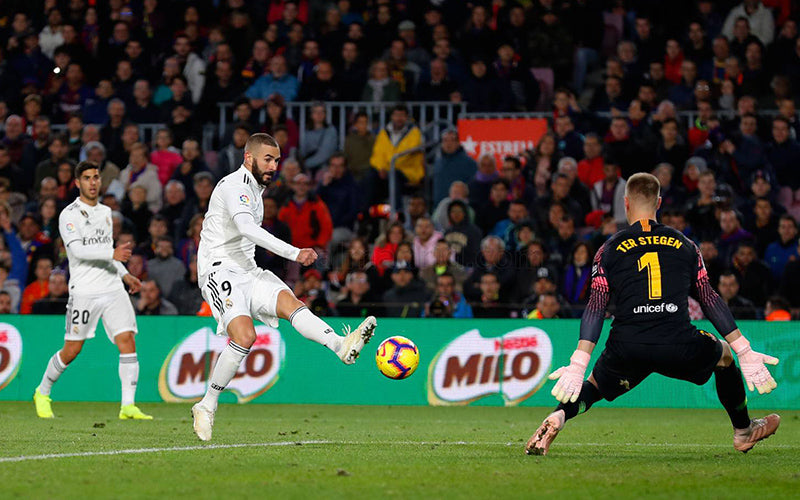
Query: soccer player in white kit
[238, 291]
[95, 292]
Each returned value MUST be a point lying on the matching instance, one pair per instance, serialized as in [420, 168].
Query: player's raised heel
[544, 436]
[203, 422]
[760, 428]
[42, 402]
[355, 340]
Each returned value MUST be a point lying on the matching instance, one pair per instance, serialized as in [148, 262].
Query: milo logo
[185, 373]
[471, 367]
[10, 353]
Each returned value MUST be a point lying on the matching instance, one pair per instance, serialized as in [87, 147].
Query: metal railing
[340, 114]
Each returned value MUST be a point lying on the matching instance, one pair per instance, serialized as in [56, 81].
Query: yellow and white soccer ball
[397, 357]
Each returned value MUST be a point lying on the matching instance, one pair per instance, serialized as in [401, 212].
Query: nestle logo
[3, 337]
[262, 340]
[509, 344]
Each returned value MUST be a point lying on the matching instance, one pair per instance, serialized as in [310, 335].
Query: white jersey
[87, 234]
[221, 243]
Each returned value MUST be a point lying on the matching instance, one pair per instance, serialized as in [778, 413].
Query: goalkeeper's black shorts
[623, 365]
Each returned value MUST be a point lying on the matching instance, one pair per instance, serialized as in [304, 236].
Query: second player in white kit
[238, 291]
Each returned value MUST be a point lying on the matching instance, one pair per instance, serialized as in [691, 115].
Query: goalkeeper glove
[570, 378]
[753, 366]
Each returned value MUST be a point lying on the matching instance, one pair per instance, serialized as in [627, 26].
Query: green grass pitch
[387, 452]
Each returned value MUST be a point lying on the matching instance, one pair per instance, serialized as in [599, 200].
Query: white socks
[313, 328]
[226, 367]
[55, 367]
[128, 377]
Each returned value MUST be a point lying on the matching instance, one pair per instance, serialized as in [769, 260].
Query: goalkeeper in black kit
[644, 275]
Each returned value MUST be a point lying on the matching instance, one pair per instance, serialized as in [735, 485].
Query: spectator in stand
[203, 186]
[763, 224]
[754, 276]
[780, 251]
[547, 307]
[740, 307]
[95, 108]
[671, 148]
[15, 138]
[731, 234]
[399, 135]
[307, 215]
[407, 297]
[66, 191]
[223, 86]
[524, 87]
[59, 148]
[447, 302]
[359, 298]
[174, 204]
[380, 87]
[165, 269]
[339, 191]
[483, 91]
[151, 303]
[425, 239]
[193, 66]
[590, 168]
[437, 86]
[186, 294]
[277, 80]
[358, 146]
[577, 275]
[188, 245]
[569, 143]
[777, 309]
[57, 295]
[519, 187]
[758, 17]
[73, 93]
[111, 133]
[140, 172]
[352, 73]
[276, 115]
[231, 157]
[35, 243]
[386, 246]
[142, 109]
[453, 165]
[39, 287]
[264, 258]
[458, 191]
[488, 304]
[480, 186]
[9, 292]
[443, 263]
[783, 154]
[191, 165]
[165, 156]
[496, 209]
[322, 85]
[320, 140]
[493, 259]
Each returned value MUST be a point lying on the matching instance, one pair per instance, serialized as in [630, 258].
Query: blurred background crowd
[701, 93]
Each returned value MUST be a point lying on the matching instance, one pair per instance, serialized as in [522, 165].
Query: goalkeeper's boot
[354, 341]
[42, 403]
[132, 412]
[760, 428]
[544, 436]
[203, 421]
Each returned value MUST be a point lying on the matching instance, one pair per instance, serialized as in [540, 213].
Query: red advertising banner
[500, 136]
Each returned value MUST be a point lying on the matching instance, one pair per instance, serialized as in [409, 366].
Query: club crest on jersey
[85, 213]
[244, 199]
[228, 303]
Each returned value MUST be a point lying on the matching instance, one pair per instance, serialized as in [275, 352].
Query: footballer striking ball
[397, 357]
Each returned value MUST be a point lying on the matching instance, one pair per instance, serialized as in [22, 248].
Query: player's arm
[752, 363]
[70, 230]
[570, 377]
[249, 229]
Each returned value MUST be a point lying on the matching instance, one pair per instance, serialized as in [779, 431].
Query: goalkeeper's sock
[313, 328]
[589, 395]
[730, 390]
[55, 367]
[226, 367]
[128, 377]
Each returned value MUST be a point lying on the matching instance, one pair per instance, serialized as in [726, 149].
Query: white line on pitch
[137, 451]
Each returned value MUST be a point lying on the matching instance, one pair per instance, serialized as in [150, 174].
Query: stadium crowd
[514, 239]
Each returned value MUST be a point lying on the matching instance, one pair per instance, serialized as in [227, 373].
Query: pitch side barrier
[479, 362]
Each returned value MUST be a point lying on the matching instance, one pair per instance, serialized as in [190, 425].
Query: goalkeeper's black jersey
[644, 275]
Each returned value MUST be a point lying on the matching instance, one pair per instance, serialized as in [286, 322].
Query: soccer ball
[397, 357]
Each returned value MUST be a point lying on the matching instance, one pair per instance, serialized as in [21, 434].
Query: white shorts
[115, 309]
[234, 292]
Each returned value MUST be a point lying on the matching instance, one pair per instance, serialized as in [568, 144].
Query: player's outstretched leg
[539, 443]
[129, 378]
[731, 393]
[312, 327]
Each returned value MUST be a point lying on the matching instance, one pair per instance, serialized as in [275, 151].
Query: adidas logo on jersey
[656, 308]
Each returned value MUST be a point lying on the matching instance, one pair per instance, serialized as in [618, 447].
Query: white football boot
[203, 421]
[355, 340]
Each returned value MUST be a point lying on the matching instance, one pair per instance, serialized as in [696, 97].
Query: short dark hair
[514, 160]
[84, 166]
[400, 107]
[260, 139]
[789, 218]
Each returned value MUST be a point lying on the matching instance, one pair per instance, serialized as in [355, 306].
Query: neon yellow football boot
[132, 412]
[42, 402]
